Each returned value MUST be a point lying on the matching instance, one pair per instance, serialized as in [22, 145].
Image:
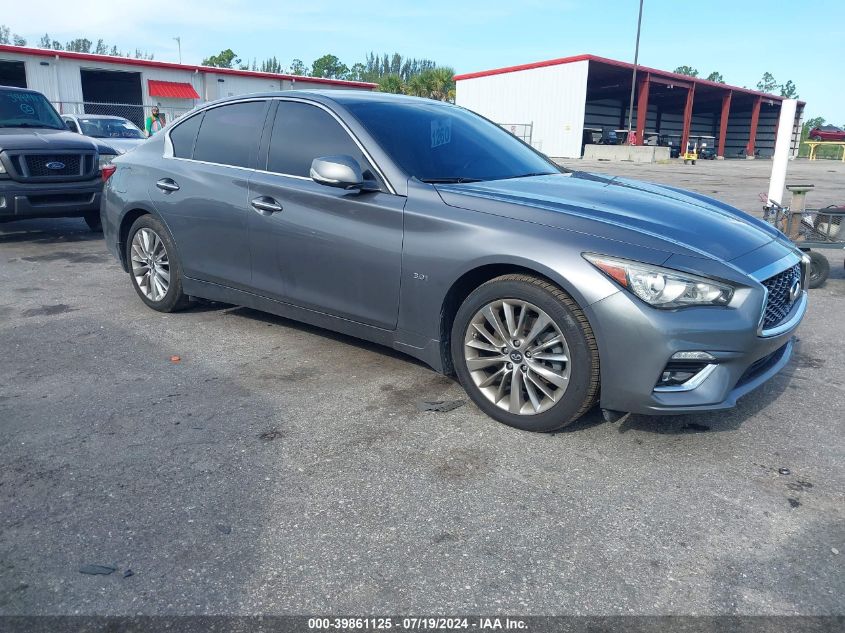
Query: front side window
[303, 132]
[229, 134]
[19, 108]
[439, 143]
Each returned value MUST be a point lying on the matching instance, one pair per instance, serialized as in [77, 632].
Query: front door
[326, 249]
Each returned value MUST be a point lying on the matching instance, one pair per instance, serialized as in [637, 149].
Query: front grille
[48, 166]
[778, 303]
[37, 165]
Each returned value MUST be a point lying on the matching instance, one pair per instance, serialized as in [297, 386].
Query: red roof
[129, 61]
[172, 89]
[613, 62]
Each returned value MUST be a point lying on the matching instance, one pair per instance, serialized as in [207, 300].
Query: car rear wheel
[93, 221]
[816, 138]
[153, 266]
[525, 353]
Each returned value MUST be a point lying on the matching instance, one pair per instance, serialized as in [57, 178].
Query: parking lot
[277, 468]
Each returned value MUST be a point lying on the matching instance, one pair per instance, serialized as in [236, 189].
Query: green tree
[716, 76]
[687, 70]
[101, 48]
[79, 45]
[17, 40]
[441, 81]
[356, 73]
[224, 59]
[4, 34]
[391, 83]
[789, 90]
[298, 68]
[767, 83]
[330, 67]
[421, 85]
[45, 41]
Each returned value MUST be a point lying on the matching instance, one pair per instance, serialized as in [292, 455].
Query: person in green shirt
[154, 123]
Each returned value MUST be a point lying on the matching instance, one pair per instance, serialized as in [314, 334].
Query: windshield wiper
[539, 173]
[435, 181]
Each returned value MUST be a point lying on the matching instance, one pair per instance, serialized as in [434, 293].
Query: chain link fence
[134, 112]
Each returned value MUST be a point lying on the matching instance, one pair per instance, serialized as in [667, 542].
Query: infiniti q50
[425, 227]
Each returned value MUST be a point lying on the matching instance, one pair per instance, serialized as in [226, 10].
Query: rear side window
[229, 134]
[184, 135]
[303, 132]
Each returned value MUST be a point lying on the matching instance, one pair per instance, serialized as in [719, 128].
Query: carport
[673, 108]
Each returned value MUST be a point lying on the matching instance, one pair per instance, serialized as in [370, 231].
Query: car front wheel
[525, 353]
[153, 266]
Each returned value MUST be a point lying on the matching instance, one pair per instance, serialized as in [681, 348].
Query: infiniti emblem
[516, 357]
[55, 165]
[794, 290]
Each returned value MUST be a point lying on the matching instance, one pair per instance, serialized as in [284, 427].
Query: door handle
[265, 205]
[167, 184]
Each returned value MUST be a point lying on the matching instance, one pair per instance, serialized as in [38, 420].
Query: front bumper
[48, 200]
[636, 341]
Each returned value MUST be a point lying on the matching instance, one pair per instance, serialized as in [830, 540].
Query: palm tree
[442, 81]
[420, 85]
[391, 83]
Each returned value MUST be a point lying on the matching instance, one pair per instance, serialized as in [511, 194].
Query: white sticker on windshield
[441, 132]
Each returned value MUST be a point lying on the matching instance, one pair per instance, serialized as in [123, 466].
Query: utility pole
[179, 42]
[634, 78]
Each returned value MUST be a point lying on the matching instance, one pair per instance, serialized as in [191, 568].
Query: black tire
[819, 269]
[93, 221]
[583, 387]
[816, 138]
[174, 299]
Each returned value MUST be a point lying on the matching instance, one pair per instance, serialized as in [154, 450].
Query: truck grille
[53, 167]
[778, 303]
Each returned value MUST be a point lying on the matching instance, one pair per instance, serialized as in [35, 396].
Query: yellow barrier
[814, 144]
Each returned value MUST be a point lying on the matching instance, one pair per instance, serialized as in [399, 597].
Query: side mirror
[340, 171]
[69, 125]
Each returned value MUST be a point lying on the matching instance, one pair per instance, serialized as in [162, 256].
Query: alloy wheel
[150, 264]
[517, 356]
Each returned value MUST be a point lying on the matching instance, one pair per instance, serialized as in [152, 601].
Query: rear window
[229, 134]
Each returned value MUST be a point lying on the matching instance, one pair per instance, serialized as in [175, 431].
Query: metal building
[82, 83]
[562, 105]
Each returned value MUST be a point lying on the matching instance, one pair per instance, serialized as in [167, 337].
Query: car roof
[17, 89]
[98, 116]
[341, 97]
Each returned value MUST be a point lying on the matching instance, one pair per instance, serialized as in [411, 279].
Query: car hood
[679, 221]
[45, 138]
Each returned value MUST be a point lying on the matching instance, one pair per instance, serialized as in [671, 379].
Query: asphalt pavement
[241, 463]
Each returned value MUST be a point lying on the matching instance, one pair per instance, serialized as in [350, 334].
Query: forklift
[690, 154]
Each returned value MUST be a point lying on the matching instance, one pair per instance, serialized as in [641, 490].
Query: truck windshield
[438, 143]
[19, 108]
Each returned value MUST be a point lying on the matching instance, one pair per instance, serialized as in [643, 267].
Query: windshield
[110, 128]
[27, 109]
[438, 143]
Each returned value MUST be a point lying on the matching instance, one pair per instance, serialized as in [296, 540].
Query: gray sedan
[422, 226]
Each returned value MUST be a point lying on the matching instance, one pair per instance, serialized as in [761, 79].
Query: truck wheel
[93, 221]
[525, 353]
[153, 266]
[819, 269]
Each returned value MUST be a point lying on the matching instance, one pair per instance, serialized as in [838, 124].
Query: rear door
[326, 249]
[203, 192]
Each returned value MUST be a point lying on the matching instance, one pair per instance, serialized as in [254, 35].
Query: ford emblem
[55, 165]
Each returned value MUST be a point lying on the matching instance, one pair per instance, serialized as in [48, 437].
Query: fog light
[2, 202]
[685, 375]
[692, 356]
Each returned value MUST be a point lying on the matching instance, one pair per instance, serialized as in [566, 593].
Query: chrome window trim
[168, 143]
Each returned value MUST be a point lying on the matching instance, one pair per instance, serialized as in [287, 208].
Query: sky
[741, 39]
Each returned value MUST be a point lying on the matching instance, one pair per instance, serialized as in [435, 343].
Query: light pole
[179, 42]
[634, 78]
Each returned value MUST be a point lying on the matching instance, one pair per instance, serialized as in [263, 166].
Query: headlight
[2, 169]
[105, 159]
[663, 287]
